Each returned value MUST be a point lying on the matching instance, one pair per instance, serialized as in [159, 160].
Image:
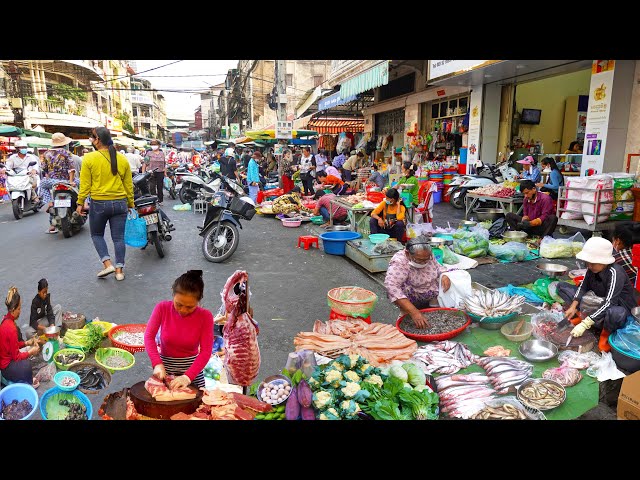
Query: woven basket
[352, 301]
[73, 324]
[131, 328]
[438, 337]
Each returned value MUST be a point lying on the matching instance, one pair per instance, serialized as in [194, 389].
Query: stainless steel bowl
[538, 350]
[491, 214]
[532, 402]
[552, 269]
[468, 223]
[277, 379]
[512, 236]
[338, 228]
[437, 241]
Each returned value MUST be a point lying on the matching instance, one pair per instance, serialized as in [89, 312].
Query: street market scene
[319, 240]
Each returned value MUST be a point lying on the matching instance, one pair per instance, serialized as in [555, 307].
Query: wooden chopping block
[146, 405]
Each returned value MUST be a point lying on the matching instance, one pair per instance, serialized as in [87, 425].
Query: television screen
[530, 116]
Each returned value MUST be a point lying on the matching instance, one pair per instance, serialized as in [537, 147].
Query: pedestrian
[135, 161]
[43, 315]
[155, 160]
[287, 171]
[3, 184]
[321, 160]
[538, 212]
[230, 151]
[15, 365]
[58, 166]
[184, 332]
[253, 176]
[246, 157]
[307, 170]
[106, 177]
[338, 161]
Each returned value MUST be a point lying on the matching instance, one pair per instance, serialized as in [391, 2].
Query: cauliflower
[337, 366]
[352, 376]
[329, 414]
[375, 379]
[332, 377]
[350, 389]
[313, 383]
[354, 359]
[322, 399]
[365, 369]
[349, 408]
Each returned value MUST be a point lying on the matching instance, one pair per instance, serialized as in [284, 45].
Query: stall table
[353, 214]
[510, 204]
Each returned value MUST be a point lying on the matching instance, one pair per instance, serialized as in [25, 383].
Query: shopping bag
[135, 230]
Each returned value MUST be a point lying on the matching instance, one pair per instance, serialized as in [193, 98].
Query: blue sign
[334, 101]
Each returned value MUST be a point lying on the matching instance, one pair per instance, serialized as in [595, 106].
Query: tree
[126, 121]
[68, 92]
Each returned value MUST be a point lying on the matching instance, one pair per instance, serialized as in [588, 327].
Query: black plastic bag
[497, 228]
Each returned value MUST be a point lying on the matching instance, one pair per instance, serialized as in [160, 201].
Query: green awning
[372, 78]
[10, 130]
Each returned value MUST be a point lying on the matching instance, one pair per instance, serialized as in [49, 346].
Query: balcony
[141, 99]
[59, 112]
[143, 119]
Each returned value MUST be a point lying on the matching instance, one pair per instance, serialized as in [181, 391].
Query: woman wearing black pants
[155, 159]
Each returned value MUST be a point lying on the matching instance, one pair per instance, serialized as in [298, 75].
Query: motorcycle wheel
[457, 199]
[66, 227]
[220, 249]
[18, 212]
[157, 241]
[172, 193]
[185, 197]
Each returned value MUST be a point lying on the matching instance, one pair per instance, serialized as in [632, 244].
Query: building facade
[149, 110]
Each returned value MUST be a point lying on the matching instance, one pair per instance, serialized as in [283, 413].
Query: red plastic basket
[131, 328]
[439, 337]
[375, 197]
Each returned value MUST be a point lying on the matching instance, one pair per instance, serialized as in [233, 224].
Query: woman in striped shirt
[623, 239]
[186, 333]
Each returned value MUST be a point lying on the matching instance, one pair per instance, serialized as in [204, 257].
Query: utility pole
[281, 91]
[17, 103]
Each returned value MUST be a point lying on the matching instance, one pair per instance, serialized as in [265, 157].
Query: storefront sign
[372, 78]
[334, 101]
[224, 132]
[440, 68]
[441, 93]
[117, 125]
[283, 130]
[235, 129]
[600, 94]
[475, 117]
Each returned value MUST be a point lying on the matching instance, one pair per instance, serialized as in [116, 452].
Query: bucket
[334, 243]
[462, 168]
[437, 196]
[338, 316]
[19, 392]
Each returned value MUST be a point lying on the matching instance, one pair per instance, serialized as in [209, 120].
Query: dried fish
[129, 338]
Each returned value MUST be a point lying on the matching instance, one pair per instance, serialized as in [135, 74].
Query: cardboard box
[629, 399]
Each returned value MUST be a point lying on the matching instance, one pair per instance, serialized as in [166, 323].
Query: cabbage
[398, 372]
[416, 376]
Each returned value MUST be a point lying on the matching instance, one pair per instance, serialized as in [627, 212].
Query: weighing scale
[52, 346]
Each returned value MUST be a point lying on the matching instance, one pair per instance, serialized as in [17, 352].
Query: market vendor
[388, 216]
[376, 177]
[409, 178]
[336, 185]
[324, 206]
[186, 333]
[43, 314]
[352, 164]
[607, 280]
[15, 365]
[624, 237]
[289, 202]
[539, 216]
[529, 170]
[412, 279]
[519, 152]
[556, 179]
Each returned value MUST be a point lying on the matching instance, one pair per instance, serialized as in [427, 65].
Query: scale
[52, 346]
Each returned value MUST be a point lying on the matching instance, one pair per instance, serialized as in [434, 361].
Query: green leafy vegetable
[398, 372]
[416, 375]
[422, 405]
[388, 410]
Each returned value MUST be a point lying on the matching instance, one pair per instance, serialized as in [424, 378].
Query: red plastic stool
[338, 316]
[308, 240]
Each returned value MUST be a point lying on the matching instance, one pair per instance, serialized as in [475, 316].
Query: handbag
[135, 230]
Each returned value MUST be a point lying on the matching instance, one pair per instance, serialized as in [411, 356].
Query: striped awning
[335, 126]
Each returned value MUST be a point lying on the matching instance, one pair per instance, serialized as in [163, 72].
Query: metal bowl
[512, 236]
[338, 228]
[491, 214]
[468, 223]
[437, 242]
[531, 402]
[552, 269]
[274, 378]
[52, 331]
[538, 350]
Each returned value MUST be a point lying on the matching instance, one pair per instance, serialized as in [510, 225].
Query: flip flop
[52, 231]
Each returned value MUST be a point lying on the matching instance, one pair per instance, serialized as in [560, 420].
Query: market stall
[511, 204]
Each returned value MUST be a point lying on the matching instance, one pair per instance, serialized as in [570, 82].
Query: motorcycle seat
[146, 200]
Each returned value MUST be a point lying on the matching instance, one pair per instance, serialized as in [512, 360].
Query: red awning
[327, 126]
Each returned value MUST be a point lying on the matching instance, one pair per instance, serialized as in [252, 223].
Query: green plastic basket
[505, 318]
[103, 353]
[317, 220]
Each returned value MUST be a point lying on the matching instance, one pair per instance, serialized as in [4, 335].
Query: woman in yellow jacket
[106, 178]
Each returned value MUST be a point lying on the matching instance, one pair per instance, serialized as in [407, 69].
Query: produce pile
[276, 391]
[87, 338]
[15, 410]
[493, 303]
[470, 244]
[445, 357]
[495, 190]
[440, 321]
[378, 343]
[505, 372]
[65, 406]
[77, 411]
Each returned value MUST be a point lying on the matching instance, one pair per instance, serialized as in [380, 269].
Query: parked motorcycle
[65, 217]
[192, 184]
[220, 227]
[158, 226]
[485, 175]
[19, 187]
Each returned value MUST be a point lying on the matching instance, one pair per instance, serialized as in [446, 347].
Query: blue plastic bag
[167, 183]
[135, 230]
[525, 292]
[627, 339]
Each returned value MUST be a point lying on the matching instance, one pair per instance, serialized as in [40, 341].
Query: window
[317, 80]
[289, 79]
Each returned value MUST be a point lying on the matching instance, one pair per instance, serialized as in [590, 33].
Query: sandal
[36, 383]
[55, 230]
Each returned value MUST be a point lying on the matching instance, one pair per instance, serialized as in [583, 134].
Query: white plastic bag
[572, 194]
[605, 369]
[598, 182]
[561, 247]
[459, 290]
[416, 229]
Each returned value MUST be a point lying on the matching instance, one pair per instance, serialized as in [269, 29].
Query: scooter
[19, 187]
[220, 227]
[486, 175]
[65, 217]
[192, 185]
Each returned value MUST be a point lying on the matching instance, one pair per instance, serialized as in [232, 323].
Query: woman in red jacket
[14, 364]
[186, 333]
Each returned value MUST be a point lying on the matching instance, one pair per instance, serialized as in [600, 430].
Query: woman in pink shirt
[186, 333]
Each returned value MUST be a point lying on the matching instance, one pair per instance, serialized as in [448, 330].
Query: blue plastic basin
[19, 392]
[334, 243]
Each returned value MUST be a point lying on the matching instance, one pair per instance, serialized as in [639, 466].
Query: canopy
[13, 131]
[271, 134]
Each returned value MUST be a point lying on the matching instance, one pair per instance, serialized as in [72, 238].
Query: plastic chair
[307, 241]
[199, 205]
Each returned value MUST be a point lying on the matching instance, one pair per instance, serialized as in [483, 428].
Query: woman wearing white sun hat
[607, 280]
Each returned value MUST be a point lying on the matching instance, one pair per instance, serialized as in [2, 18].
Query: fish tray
[130, 328]
[502, 319]
[437, 337]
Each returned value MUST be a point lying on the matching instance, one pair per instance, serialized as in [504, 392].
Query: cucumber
[269, 416]
[281, 416]
[260, 416]
[280, 408]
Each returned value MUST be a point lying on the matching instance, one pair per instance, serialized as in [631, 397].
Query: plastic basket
[67, 351]
[438, 337]
[103, 353]
[334, 243]
[352, 301]
[130, 328]
[57, 379]
[502, 319]
[375, 197]
[55, 390]
[19, 392]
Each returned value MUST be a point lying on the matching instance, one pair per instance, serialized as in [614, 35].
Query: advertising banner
[475, 117]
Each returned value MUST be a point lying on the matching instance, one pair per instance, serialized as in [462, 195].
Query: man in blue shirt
[253, 176]
[339, 160]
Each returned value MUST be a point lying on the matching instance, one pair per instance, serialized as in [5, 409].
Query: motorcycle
[19, 187]
[158, 227]
[485, 175]
[220, 227]
[192, 185]
[65, 217]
